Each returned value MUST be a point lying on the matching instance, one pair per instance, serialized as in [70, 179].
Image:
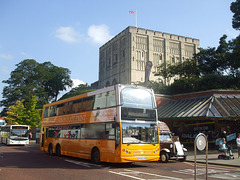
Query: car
[170, 146]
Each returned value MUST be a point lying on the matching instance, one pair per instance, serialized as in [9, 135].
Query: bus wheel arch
[58, 150]
[50, 149]
[95, 155]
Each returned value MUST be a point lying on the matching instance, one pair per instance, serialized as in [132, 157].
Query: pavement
[213, 158]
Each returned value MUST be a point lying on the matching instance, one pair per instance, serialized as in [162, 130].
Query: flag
[134, 12]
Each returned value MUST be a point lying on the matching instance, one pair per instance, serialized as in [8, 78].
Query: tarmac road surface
[29, 162]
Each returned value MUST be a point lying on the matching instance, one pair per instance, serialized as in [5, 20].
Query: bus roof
[92, 93]
[16, 125]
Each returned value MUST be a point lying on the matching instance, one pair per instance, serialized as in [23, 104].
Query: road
[28, 162]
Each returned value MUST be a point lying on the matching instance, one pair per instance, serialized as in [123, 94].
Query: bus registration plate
[142, 158]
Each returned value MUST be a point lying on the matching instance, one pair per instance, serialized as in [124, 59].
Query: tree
[158, 87]
[23, 82]
[214, 68]
[221, 55]
[25, 115]
[32, 114]
[235, 8]
[54, 79]
[234, 56]
[187, 69]
[80, 89]
[164, 70]
[207, 61]
[31, 78]
[15, 113]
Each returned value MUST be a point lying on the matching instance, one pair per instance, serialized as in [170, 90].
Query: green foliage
[234, 56]
[25, 115]
[207, 82]
[76, 93]
[31, 78]
[185, 69]
[182, 85]
[80, 89]
[164, 71]
[33, 115]
[235, 8]
[54, 79]
[207, 61]
[211, 68]
[158, 87]
[15, 114]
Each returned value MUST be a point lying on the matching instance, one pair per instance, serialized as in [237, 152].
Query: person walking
[30, 136]
[238, 144]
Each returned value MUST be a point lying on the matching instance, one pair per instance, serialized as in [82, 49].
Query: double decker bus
[116, 124]
[14, 134]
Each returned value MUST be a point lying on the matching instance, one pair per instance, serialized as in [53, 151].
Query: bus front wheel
[95, 156]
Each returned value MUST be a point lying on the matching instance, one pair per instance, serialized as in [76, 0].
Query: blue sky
[68, 33]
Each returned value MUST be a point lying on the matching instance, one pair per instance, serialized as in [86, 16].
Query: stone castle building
[123, 58]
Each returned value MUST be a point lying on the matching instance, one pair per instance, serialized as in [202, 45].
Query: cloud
[27, 56]
[99, 34]
[76, 82]
[7, 57]
[68, 34]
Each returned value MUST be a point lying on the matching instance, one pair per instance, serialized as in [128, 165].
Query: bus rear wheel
[50, 150]
[95, 156]
[58, 150]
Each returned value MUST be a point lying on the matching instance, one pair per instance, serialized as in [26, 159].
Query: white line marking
[121, 174]
[89, 165]
[136, 173]
[78, 163]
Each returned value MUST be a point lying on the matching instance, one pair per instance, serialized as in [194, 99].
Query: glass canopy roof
[208, 106]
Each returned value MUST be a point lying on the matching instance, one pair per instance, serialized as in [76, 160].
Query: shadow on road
[30, 156]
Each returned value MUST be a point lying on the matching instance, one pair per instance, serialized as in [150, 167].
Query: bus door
[44, 137]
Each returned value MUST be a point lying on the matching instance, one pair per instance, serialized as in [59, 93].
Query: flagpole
[134, 12]
[136, 18]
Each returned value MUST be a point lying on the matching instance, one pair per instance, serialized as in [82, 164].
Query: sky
[69, 33]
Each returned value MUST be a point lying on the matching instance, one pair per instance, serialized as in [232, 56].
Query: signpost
[201, 143]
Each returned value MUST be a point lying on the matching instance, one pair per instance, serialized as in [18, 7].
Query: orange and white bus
[116, 124]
